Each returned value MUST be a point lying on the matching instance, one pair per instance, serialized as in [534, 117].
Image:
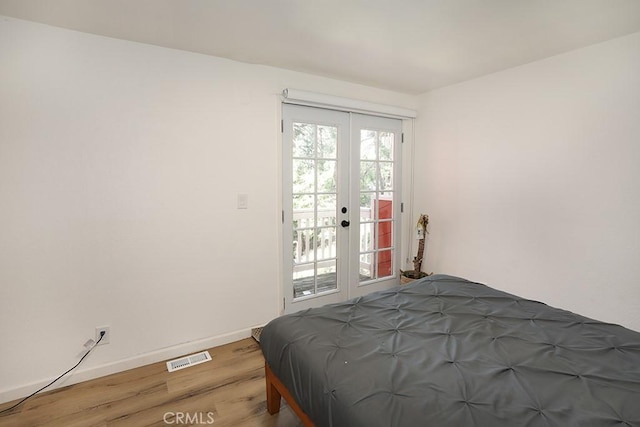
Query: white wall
[120, 164]
[532, 180]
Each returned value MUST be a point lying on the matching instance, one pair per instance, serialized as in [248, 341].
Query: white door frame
[349, 284]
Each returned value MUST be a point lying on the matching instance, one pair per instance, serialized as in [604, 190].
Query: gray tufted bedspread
[444, 351]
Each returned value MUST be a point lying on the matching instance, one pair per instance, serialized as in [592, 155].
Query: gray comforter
[444, 351]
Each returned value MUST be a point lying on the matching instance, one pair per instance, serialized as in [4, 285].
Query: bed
[445, 351]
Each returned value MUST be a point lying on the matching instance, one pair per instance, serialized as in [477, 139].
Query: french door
[341, 205]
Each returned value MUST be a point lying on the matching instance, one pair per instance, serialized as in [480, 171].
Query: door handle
[345, 223]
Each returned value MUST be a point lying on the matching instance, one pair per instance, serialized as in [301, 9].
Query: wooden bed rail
[275, 390]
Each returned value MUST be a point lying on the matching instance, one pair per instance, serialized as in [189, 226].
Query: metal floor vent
[255, 333]
[185, 362]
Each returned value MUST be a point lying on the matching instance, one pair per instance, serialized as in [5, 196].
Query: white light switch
[243, 201]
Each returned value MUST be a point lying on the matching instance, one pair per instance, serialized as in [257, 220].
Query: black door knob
[345, 223]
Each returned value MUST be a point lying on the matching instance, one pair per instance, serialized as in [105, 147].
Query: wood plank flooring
[230, 390]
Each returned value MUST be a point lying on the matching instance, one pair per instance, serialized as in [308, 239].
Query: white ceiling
[404, 45]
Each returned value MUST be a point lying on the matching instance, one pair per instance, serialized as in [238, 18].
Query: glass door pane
[314, 207]
[376, 158]
[376, 204]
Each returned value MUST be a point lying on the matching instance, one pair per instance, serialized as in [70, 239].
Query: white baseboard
[122, 365]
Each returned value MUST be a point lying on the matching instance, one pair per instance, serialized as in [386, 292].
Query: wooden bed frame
[276, 390]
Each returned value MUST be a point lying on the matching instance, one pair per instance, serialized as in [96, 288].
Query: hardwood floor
[228, 391]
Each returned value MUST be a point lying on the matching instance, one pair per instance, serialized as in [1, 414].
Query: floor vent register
[187, 361]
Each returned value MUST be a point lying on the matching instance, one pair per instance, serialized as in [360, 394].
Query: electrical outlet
[107, 334]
